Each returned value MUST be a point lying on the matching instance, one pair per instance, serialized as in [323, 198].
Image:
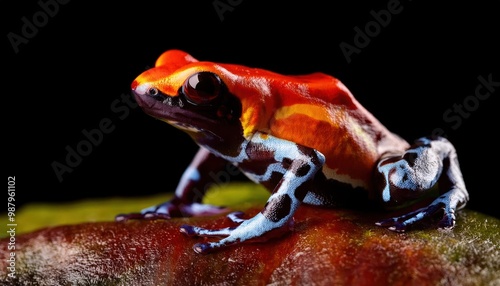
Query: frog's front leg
[189, 193]
[296, 164]
[410, 175]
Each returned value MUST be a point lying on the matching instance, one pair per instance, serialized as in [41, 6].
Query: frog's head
[189, 95]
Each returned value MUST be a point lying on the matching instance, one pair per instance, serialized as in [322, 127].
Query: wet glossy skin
[305, 138]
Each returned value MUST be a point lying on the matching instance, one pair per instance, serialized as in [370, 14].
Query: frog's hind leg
[411, 175]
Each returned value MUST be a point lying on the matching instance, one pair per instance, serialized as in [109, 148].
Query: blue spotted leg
[297, 166]
[412, 174]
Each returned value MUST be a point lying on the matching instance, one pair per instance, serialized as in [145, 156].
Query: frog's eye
[202, 88]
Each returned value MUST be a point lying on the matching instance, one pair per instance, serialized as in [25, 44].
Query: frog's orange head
[188, 94]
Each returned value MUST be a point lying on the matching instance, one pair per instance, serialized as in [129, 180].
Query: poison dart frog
[305, 138]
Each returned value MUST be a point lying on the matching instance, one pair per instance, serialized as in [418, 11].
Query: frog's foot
[448, 203]
[172, 209]
[256, 229]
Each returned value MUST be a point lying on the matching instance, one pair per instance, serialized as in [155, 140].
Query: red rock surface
[326, 247]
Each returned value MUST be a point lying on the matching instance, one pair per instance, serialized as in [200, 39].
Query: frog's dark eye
[202, 88]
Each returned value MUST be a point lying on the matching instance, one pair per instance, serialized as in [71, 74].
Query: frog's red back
[314, 110]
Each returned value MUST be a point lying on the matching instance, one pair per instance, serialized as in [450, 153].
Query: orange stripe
[347, 147]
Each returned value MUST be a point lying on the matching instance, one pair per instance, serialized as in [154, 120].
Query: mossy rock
[325, 247]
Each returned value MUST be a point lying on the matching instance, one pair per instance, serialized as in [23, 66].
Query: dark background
[83, 58]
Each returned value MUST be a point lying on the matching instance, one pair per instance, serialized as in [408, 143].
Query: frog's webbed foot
[447, 204]
[172, 209]
[256, 229]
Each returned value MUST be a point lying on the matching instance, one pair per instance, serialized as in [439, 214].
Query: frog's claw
[172, 209]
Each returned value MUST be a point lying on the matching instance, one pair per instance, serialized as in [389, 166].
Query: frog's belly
[344, 178]
[272, 174]
[325, 191]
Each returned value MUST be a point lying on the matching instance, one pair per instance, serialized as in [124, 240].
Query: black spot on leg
[405, 177]
[303, 170]
[410, 157]
[311, 154]
[278, 208]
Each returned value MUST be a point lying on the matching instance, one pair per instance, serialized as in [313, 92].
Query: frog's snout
[139, 89]
[134, 84]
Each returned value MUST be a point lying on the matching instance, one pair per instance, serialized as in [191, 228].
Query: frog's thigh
[411, 174]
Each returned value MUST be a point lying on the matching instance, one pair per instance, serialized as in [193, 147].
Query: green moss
[237, 195]
[368, 234]
[33, 216]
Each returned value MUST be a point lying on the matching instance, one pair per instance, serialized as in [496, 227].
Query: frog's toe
[153, 216]
[130, 216]
[396, 224]
[236, 217]
[448, 220]
[390, 223]
[190, 230]
[204, 248]
[151, 213]
[402, 223]
[141, 216]
[173, 209]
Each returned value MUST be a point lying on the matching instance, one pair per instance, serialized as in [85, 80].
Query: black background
[69, 73]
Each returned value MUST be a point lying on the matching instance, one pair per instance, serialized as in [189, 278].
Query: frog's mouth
[174, 111]
[184, 126]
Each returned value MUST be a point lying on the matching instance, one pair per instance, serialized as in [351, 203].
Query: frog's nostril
[153, 92]
[146, 89]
